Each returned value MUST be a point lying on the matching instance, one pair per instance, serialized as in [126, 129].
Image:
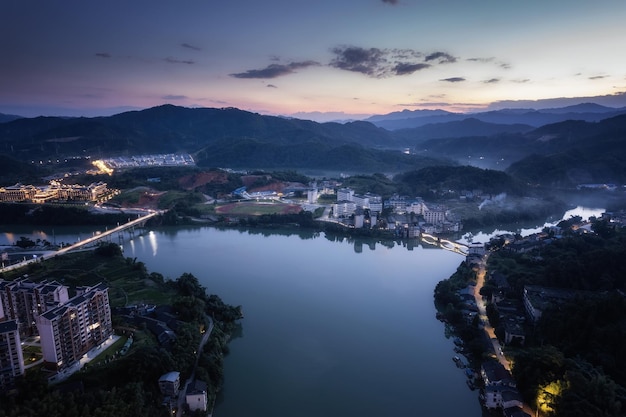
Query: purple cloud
[453, 79]
[377, 63]
[178, 61]
[103, 55]
[275, 70]
[405, 68]
[441, 57]
[189, 46]
[366, 61]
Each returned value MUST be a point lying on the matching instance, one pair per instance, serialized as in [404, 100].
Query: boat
[459, 362]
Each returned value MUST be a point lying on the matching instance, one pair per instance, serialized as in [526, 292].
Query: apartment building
[24, 300]
[404, 204]
[434, 216]
[11, 357]
[69, 331]
[345, 194]
[343, 208]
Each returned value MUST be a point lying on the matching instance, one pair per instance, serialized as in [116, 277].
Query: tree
[588, 392]
[25, 243]
[108, 250]
[537, 367]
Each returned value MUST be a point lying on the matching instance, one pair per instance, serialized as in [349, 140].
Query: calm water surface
[331, 328]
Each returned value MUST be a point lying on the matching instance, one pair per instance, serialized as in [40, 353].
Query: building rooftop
[170, 377]
[8, 326]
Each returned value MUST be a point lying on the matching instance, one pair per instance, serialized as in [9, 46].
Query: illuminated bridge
[445, 244]
[106, 235]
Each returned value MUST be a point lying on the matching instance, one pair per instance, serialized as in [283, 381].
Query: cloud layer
[373, 62]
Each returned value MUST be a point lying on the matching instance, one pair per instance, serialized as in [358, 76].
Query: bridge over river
[130, 225]
[445, 244]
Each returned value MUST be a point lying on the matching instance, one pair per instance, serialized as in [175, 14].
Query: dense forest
[575, 356]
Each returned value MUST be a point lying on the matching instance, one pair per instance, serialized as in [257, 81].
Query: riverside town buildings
[56, 191]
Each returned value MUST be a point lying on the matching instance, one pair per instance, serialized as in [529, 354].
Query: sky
[323, 59]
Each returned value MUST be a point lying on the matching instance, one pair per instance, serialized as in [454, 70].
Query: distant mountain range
[576, 143]
[406, 119]
[8, 117]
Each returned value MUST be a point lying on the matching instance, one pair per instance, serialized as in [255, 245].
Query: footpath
[183, 390]
[487, 327]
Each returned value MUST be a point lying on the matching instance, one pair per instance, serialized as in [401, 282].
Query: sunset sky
[359, 57]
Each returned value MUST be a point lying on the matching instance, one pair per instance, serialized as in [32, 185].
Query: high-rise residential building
[11, 357]
[69, 331]
[345, 194]
[24, 300]
[434, 216]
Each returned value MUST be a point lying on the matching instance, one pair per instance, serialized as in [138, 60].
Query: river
[332, 327]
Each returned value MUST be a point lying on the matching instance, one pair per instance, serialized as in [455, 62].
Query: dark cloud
[441, 57]
[392, 2]
[405, 68]
[453, 79]
[377, 63]
[173, 97]
[522, 81]
[103, 55]
[504, 65]
[492, 81]
[189, 46]
[275, 70]
[178, 61]
[598, 77]
[271, 86]
[370, 61]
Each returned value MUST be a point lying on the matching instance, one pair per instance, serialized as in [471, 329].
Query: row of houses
[55, 191]
[195, 394]
[500, 390]
[142, 161]
[67, 327]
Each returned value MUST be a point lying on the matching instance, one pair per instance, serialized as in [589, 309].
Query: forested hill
[574, 152]
[217, 137]
[169, 128]
[561, 154]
